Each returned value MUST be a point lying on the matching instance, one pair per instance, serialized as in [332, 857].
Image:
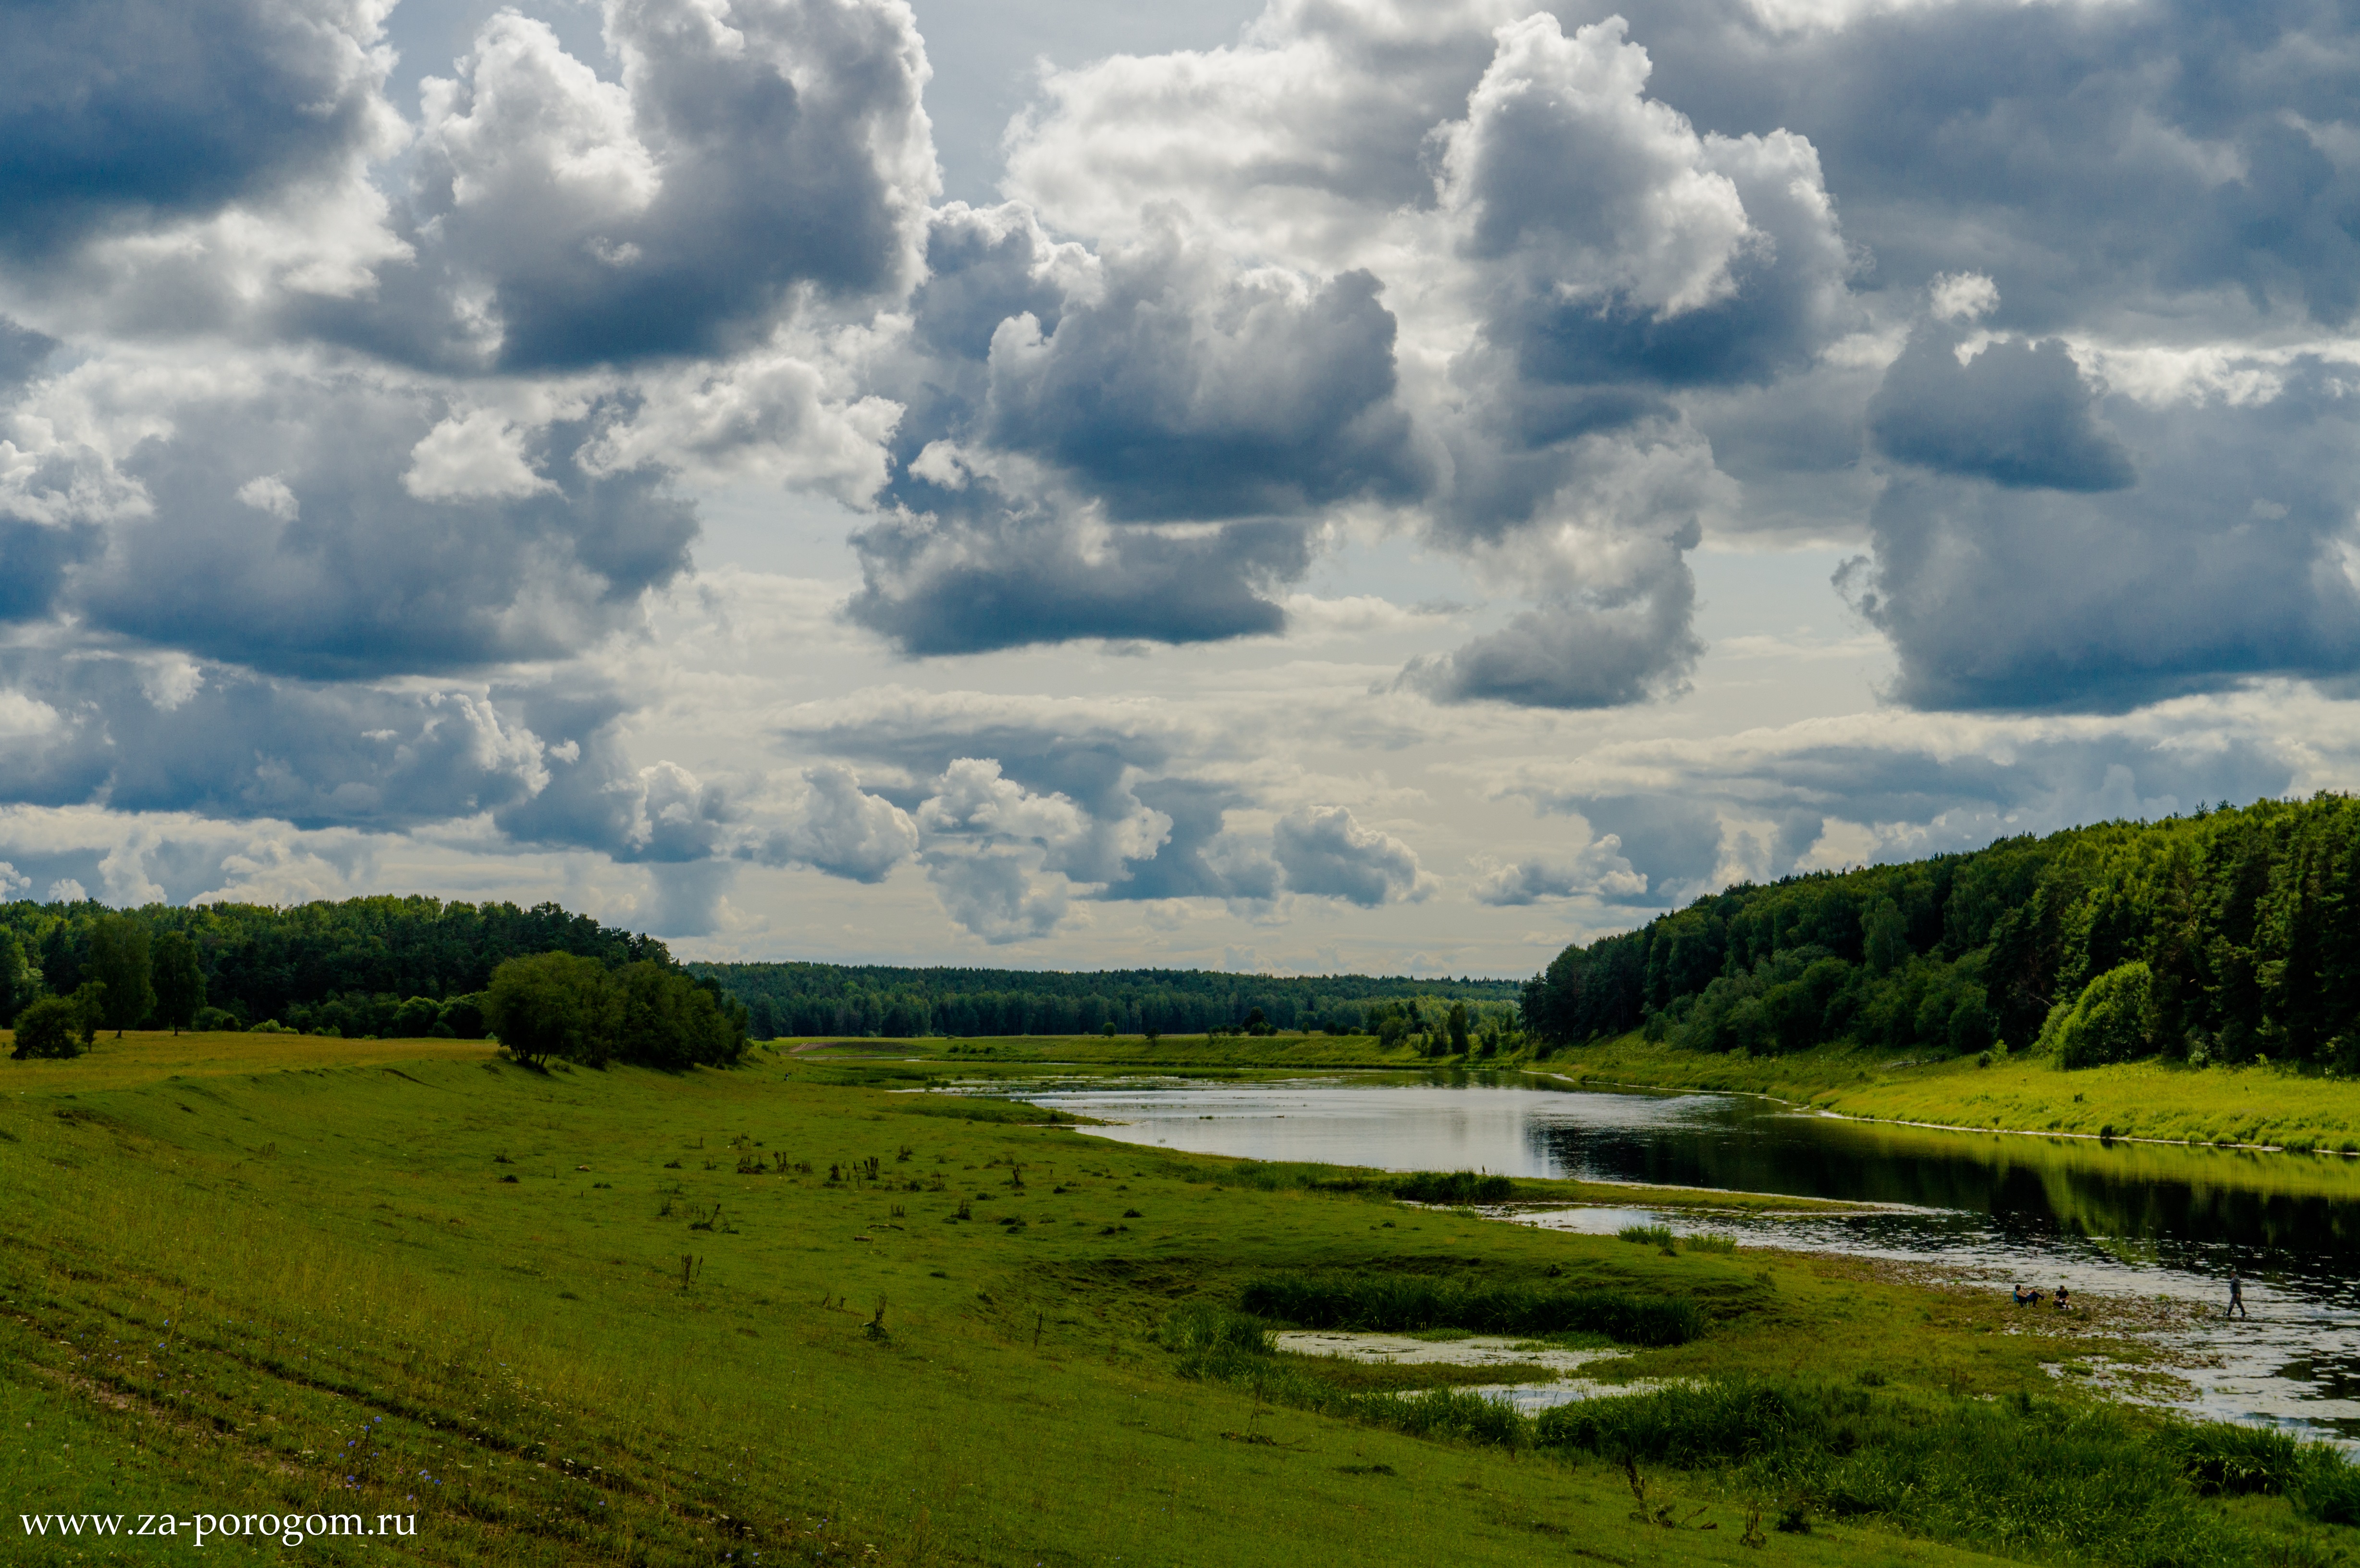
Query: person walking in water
[2237, 1298]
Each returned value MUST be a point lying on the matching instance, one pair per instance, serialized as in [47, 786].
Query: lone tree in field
[180, 985]
[119, 961]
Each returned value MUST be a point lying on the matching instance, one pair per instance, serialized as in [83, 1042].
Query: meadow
[2290, 1106]
[791, 1312]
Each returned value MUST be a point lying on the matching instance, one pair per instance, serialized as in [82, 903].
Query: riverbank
[575, 1314]
[2248, 1106]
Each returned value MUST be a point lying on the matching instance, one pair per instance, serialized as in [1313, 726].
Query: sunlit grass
[247, 1272]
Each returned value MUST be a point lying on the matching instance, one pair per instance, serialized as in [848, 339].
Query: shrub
[2112, 1020]
[1453, 1187]
[52, 1027]
[216, 1021]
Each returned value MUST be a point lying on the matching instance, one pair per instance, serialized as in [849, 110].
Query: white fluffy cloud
[1338, 437]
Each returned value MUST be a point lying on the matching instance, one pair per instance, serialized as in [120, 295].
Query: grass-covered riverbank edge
[2251, 1107]
[628, 1316]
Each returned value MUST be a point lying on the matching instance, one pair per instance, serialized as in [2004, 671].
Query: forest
[871, 999]
[2229, 935]
[403, 966]
[384, 966]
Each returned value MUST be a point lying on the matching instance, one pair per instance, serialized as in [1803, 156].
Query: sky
[1337, 485]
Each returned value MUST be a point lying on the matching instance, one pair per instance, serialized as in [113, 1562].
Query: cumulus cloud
[226, 743]
[993, 893]
[1625, 647]
[2222, 556]
[126, 112]
[1597, 870]
[841, 830]
[1327, 853]
[380, 537]
[1138, 450]
[2015, 412]
[748, 150]
[1692, 815]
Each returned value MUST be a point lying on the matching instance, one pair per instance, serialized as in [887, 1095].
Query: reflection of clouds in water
[2162, 1223]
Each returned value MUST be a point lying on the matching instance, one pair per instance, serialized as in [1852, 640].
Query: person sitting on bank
[2062, 1299]
[2024, 1298]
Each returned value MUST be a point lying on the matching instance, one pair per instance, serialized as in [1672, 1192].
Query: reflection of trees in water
[2291, 1203]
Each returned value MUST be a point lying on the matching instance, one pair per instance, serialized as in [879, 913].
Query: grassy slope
[224, 1260]
[2250, 1104]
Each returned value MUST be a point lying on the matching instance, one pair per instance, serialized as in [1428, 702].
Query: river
[2122, 1219]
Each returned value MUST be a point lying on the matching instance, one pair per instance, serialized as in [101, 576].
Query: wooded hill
[875, 999]
[2228, 935]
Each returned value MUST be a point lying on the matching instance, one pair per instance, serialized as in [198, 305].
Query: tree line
[875, 1000]
[382, 966]
[2230, 934]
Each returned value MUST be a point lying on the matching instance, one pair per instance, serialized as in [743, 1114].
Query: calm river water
[2122, 1219]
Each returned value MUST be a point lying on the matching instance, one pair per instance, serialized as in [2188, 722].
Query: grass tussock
[1397, 1304]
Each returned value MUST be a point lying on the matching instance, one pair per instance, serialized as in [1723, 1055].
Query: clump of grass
[1706, 1241]
[1453, 1188]
[1394, 1304]
[1659, 1235]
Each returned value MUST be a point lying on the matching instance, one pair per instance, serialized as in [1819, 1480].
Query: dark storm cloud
[289, 533]
[120, 113]
[2017, 414]
[2226, 559]
[139, 736]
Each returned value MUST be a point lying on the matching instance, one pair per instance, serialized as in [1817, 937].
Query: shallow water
[2161, 1222]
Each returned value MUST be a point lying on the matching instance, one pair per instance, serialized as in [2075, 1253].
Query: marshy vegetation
[1399, 1303]
[2046, 1478]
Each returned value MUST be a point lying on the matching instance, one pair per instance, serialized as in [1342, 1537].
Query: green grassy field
[2253, 1104]
[585, 1317]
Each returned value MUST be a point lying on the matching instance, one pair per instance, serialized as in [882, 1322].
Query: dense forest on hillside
[362, 966]
[871, 999]
[2229, 935]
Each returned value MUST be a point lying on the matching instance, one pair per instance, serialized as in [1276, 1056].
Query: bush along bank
[2026, 1476]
